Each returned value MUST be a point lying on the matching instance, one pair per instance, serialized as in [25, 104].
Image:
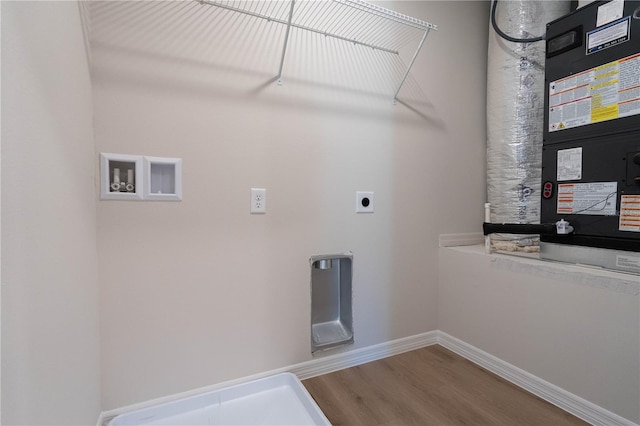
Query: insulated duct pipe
[515, 116]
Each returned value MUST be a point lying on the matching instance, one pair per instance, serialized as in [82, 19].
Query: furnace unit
[591, 145]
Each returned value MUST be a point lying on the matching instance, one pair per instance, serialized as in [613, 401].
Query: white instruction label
[628, 262]
[609, 12]
[608, 36]
[594, 198]
[569, 164]
[599, 94]
[630, 213]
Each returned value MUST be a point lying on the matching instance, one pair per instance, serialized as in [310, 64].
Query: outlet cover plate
[258, 201]
[364, 202]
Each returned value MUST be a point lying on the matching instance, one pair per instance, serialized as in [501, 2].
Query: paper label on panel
[608, 36]
[628, 262]
[609, 12]
[630, 213]
[606, 92]
[594, 198]
[569, 164]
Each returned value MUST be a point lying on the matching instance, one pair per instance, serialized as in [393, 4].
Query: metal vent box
[331, 301]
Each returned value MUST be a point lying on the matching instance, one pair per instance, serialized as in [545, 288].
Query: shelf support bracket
[406, 74]
[286, 40]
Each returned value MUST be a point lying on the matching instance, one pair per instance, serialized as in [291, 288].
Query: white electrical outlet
[364, 202]
[258, 200]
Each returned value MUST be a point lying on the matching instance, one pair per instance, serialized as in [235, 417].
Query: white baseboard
[573, 404]
[348, 359]
[567, 401]
[466, 239]
[304, 370]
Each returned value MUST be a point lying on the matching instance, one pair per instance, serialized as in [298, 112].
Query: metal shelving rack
[353, 21]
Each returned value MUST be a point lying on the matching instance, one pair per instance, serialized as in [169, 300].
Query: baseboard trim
[465, 239]
[325, 364]
[340, 361]
[559, 397]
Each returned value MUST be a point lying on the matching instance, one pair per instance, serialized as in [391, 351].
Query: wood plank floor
[428, 386]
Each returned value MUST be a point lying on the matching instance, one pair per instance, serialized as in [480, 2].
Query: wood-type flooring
[429, 386]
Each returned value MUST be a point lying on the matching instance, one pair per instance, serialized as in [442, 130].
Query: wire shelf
[353, 21]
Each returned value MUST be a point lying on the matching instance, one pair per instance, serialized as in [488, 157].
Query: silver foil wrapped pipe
[515, 117]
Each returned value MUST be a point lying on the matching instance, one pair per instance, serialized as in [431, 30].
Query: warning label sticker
[630, 213]
[599, 94]
[593, 198]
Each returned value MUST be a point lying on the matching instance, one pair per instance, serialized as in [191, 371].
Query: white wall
[50, 344]
[574, 327]
[198, 292]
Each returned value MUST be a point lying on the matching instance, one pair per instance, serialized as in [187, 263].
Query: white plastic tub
[274, 400]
